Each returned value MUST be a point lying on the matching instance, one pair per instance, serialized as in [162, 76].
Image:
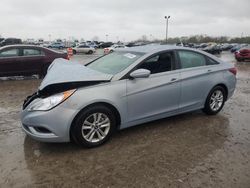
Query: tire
[89, 134]
[239, 60]
[215, 100]
[90, 52]
[74, 51]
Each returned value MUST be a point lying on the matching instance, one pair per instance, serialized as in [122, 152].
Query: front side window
[190, 59]
[9, 53]
[31, 52]
[115, 62]
[159, 63]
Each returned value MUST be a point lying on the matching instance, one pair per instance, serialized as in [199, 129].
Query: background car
[82, 48]
[58, 45]
[91, 44]
[105, 45]
[17, 60]
[226, 46]
[212, 49]
[127, 87]
[113, 48]
[243, 54]
[238, 47]
[10, 41]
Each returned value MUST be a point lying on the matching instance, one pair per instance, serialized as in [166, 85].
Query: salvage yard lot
[189, 150]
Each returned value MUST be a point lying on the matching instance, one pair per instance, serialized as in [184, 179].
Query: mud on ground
[189, 150]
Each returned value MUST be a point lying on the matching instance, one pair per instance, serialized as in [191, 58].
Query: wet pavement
[189, 150]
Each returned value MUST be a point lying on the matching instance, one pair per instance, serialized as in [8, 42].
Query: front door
[158, 94]
[9, 64]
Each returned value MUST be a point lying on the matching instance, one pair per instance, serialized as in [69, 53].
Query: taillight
[233, 70]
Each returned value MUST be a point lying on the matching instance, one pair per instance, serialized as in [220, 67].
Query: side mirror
[140, 73]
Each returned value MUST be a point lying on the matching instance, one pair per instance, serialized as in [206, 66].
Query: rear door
[9, 62]
[196, 79]
[32, 60]
[157, 95]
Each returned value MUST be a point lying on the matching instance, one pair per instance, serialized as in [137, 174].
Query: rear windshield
[115, 62]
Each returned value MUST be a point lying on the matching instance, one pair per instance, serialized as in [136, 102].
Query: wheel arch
[110, 106]
[221, 85]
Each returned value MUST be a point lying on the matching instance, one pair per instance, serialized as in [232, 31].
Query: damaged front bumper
[48, 126]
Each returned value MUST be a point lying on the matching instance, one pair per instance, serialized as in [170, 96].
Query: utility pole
[167, 18]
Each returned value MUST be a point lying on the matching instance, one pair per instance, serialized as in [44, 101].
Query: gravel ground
[189, 150]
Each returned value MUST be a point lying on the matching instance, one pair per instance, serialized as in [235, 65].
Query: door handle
[173, 79]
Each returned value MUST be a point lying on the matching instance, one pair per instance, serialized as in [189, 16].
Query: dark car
[105, 45]
[17, 60]
[243, 54]
[225, 47]
[213, 49]
[10, 41]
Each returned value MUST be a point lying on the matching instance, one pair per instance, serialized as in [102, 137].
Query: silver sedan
[86, 104]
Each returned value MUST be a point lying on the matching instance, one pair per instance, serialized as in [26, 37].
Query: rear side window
[211, 61]
[9, 53]
[31, 52]
[190, 59]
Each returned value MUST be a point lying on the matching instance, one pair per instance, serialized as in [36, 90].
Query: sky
[123, 20]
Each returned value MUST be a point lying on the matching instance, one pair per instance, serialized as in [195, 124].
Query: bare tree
[144, 38]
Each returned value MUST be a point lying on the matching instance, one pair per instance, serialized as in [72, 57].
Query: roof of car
[152, 48]
[22, 45]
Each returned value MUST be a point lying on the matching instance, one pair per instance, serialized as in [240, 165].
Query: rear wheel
[74, 51]
[215, 100]
[90, 52]
[93, 126]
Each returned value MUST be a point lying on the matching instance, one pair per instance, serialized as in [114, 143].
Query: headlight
[50, 102]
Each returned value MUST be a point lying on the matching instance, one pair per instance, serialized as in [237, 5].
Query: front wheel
[215, 100]
[93, 126]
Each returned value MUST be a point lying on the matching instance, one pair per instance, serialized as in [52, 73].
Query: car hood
[64, 74]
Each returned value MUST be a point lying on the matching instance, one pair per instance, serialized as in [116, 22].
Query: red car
[242, 54]
[17, 60]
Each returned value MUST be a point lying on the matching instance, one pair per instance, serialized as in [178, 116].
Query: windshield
[115, 62]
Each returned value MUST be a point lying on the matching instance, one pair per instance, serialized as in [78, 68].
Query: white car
[113, 47]
[82, 48]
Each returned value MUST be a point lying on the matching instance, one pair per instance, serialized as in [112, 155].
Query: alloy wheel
[216, 100]
[96, 127]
